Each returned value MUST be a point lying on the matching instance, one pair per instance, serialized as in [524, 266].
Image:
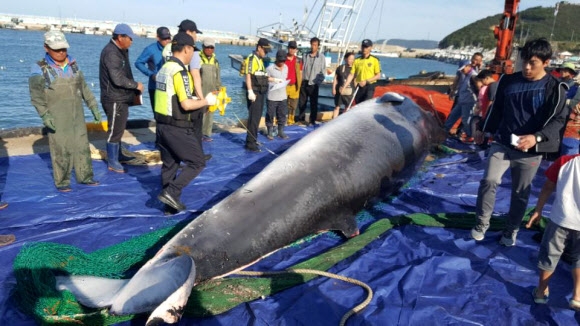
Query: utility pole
[554, 23]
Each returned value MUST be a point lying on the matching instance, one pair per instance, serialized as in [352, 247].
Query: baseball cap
[366, 43]
[208, 41]
[264, 43]
[55, 40]
[281, 55]
[463, 63]
[124, 29]
[182, 38]
[570, 66]
[163, 33]
[189, 25]
[292, 45]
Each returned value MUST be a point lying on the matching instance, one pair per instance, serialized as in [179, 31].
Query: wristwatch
[539, 138]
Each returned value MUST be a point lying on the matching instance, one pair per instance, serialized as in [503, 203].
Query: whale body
[319, 183]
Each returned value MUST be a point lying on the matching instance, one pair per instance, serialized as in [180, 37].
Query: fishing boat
[333, 23]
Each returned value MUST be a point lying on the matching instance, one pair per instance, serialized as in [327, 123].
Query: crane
[504, 33]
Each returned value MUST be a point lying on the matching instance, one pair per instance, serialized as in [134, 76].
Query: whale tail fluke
[164, 285]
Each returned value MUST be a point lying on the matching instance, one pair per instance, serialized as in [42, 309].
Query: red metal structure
[504, 33]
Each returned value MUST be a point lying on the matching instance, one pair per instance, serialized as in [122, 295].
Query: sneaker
[91, 182]
[468, 140]
[478, 232]
[64, 188]
[508, 238]
[543, 299]
[207, 138]
[574, 304]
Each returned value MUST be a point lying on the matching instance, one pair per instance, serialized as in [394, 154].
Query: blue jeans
[523, 167]
[463, 111]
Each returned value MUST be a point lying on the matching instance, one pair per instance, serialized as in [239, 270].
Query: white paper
[276, 86]
[515, 140]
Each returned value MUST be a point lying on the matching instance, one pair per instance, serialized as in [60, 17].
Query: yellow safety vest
[168, 109]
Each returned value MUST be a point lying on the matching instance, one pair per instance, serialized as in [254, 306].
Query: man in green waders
[210, 81]
[57, 89]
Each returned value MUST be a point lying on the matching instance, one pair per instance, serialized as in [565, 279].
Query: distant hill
[532, 23]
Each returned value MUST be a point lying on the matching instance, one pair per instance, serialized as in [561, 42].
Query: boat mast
[337, 21]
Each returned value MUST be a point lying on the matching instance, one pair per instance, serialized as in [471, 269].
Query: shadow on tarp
[434, 275]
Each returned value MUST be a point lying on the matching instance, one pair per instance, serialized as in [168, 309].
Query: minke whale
[319, 183]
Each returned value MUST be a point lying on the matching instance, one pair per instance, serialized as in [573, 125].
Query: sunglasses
[58, 50]
[209, 47]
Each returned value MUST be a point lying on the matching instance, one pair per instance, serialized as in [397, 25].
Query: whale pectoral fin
[172, 308]
[153, 284]
[344, 222]
[91, 291]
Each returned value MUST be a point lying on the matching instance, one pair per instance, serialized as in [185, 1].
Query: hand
[526, 142]
[48, 121]
[362, 83]
[478, 137]
[96, 115]
[277, 80]
[140, 87]
[251, 95]
[333, 91]
[211, 99]
[534, 219]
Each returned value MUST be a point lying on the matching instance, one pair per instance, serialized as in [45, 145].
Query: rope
[349, 313]
[352, 100]
[249, 133]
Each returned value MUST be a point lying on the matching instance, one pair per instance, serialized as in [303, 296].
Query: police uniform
[254, 65]
[364, 69]
[176, 135]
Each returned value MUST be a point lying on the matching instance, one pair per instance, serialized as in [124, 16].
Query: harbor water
[19, 50]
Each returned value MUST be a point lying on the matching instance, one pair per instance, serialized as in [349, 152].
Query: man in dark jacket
[526, 120]
[118, 89]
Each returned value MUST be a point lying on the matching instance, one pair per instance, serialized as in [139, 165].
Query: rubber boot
[291, 113]
[113, 158]
[122, 157]
[281, 133]
[270, 136]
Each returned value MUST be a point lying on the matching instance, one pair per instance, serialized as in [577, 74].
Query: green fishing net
[36, 266]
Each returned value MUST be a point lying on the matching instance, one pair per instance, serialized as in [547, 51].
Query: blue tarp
[419, 275]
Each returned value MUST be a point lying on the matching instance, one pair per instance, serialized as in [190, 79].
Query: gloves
[96, 115]
[48, 121]
[211, 99]
[251, 95]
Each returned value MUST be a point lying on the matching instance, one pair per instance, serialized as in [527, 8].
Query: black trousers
[178, 145]
[255, 110]
[117, 115]
[308, 92]
[152, 99]
[276, 109]
[365, 93]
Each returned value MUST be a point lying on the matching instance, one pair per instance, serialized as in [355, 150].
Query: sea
[19, 50]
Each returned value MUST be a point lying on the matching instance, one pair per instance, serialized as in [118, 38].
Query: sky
[379, 19]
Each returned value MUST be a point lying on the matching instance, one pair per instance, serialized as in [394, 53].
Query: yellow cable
[349, 313]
